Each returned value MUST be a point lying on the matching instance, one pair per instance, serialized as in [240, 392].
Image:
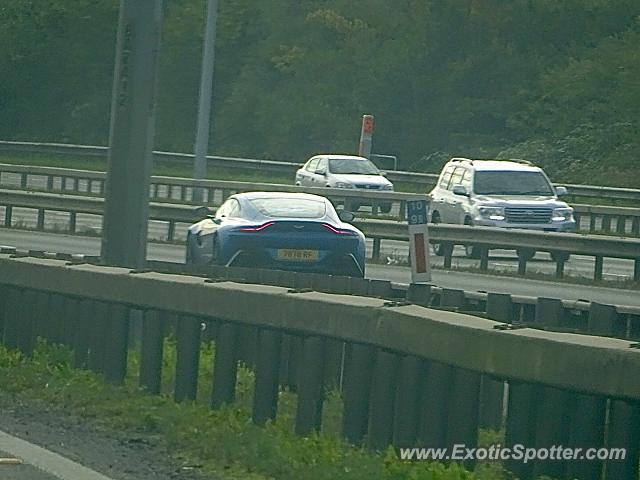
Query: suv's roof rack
[461, 159]
[521, 161]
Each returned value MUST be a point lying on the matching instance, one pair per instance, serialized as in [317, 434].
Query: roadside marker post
[419, 240]
[366, 136]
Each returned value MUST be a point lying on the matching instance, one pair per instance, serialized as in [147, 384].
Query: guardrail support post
[40, 221]
[82, 334]
[586, 431]
[49, 182]
[97, 347]
[188, 358]
[116, 345]
[636, 270]
[602, 319]
[151, 351]
[8, 211]
[597, 271]
[12, 304]
[635, 226]
[624, 432]
[549, 312]
[419, 293]
[72, 222]
[383, 388]
[552, 428]
[171, 231]
[448, 254]
[375, 254]
[225, 366]
[265, 400]
[23, 181]
[310, 387]
[410, 378]
[522, 265]
[621, 224]
[435, 405]
[463, 410]
[356, 390]
[520, 425]
[484, 259]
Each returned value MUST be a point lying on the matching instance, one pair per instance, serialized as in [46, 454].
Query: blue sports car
[286, 231]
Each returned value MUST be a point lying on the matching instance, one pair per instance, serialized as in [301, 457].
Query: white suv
[500, 193]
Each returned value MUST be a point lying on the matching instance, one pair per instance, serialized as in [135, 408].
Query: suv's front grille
[527, 215]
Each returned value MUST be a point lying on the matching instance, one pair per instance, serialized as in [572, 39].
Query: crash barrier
[484, 238]
[589, 218]
[576, 316]
[425, 181]
[409, 375]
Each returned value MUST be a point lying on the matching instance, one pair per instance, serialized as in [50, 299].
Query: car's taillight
[259, 228]
[333, 229]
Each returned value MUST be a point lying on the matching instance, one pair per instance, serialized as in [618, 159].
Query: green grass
[223, 443]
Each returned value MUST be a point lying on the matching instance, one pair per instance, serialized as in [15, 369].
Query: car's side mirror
[383, 174]
[202, 212]
[345, 216]
[560, 191]
[321, 171]
[460, 190]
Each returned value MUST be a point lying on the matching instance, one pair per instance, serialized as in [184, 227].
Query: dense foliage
[554, 82]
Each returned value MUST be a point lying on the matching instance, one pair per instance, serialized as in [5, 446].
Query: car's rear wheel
[525, 254]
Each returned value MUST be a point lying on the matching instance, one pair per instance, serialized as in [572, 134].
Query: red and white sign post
[417, 215]
[366, 136]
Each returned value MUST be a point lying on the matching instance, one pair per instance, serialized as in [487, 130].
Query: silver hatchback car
[344, 171]
[499, 193]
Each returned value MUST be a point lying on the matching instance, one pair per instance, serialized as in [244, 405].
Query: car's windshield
[352, 165]
[287, 207]
[511, 183]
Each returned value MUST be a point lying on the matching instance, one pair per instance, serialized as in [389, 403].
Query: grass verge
[221, 444]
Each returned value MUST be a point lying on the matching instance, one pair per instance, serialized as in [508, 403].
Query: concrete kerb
[569, 361]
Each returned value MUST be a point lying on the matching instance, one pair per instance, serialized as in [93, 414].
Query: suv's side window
[456, 178]
[446, 176]
[311, 166]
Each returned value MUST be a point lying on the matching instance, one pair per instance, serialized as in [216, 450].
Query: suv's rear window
[511, 183]
[289, 207]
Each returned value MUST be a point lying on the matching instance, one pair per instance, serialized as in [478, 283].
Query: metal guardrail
[591, 218]
[427, 180]
[486, 238]
[409, 375]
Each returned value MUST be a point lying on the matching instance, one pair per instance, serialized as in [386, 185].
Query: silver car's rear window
[347, 166]
[289, 207]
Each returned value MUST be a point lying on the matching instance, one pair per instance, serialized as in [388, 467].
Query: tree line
[554, 82]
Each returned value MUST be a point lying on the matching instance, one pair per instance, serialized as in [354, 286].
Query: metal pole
[204, 106]
[124, 240]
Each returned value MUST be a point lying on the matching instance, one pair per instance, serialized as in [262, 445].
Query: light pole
[126, 210]
[204, 106]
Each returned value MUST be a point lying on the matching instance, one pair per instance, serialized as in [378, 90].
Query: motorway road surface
[38, 463]
[615, 268]
[448, 279]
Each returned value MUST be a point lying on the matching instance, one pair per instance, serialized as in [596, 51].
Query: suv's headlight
[344, 185]
[492, 213]
[564, 214]
[387, 187]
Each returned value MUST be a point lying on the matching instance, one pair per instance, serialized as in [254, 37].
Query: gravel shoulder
[114, 454]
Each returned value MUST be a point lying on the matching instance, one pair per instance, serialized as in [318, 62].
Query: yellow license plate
[294, 255]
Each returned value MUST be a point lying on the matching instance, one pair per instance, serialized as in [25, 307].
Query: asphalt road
[448, 279]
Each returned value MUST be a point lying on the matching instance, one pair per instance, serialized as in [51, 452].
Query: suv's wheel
[525, 253]
[560, 256]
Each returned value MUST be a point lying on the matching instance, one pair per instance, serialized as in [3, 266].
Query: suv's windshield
[511, 183]
[352, 165]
